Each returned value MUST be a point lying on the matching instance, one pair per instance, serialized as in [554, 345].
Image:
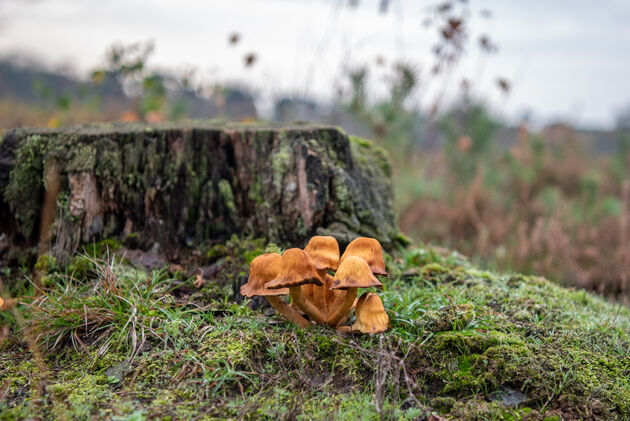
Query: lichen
[82, 158]
[255, 193]
[280, 163]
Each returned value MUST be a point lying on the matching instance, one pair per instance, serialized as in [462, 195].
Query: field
[510, 304]
[543, 203]
[490, 162]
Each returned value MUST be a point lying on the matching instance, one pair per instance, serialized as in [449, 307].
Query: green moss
[80, 267]
[280, 163]
[45, 263]
[383, 160]
[132, 240]
[23, 193]
[360, 141]
[83, 266]
[82, 158]
[471, 341]
[103, 247]
[447, 318]
[343, 199]
[465, 336]
[216, 252]
[402, 239]
[77, 396]
[227, 197]
[272, 248]
[369, 154]
[255, 193]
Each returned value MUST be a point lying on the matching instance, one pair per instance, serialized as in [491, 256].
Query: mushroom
[296, 268]
[262, 270]
[353, 273]
[370, 315]
[324, 250]
[369, 250]
[7, 304]
[332, 295]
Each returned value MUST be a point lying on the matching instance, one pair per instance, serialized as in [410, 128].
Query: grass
[116, 310]
[123, 343]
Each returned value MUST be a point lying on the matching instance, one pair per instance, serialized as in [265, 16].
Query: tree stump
[184, 184]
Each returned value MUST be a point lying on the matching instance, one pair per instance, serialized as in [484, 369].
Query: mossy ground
[124, 343]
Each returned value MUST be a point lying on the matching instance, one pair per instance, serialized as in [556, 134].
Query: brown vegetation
[544, 206]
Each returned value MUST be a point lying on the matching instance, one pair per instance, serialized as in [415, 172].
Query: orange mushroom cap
[354, 272]
[263, 270]
[324, 250]
[369, 250]
[370, 314]
[296, 268]
[361, 299]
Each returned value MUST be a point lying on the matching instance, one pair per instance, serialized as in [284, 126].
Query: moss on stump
[183, 184]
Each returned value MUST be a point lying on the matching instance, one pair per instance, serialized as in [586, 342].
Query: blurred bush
[539, 206]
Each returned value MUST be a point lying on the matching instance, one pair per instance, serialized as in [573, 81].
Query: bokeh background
[508, 122]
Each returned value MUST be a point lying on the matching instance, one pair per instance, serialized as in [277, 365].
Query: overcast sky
[567, 59]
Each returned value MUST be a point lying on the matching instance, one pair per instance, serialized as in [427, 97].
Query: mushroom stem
[345, 329]
[348, 299]
[287, 311]
[306, 306]
[320, 292]
[7, 304]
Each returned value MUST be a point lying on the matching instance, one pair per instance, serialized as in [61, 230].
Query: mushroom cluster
[315, 294]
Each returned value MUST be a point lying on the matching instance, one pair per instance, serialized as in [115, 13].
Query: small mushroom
[324, 250]
[7, 304]
[297, 269]
[353, 273]
[370, 314]
[369, 250]
[262, 270]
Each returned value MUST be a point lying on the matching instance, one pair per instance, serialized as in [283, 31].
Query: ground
[111, 339]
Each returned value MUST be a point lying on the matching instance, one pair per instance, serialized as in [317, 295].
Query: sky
[566, 60]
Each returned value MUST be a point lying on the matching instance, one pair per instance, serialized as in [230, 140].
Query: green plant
[118, 310]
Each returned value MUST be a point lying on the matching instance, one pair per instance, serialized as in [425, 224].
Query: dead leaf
[176, 268]
[199, 281]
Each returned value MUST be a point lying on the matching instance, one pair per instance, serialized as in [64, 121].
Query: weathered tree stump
[183, 184]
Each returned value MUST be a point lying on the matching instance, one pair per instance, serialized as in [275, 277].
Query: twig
[387, 361]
